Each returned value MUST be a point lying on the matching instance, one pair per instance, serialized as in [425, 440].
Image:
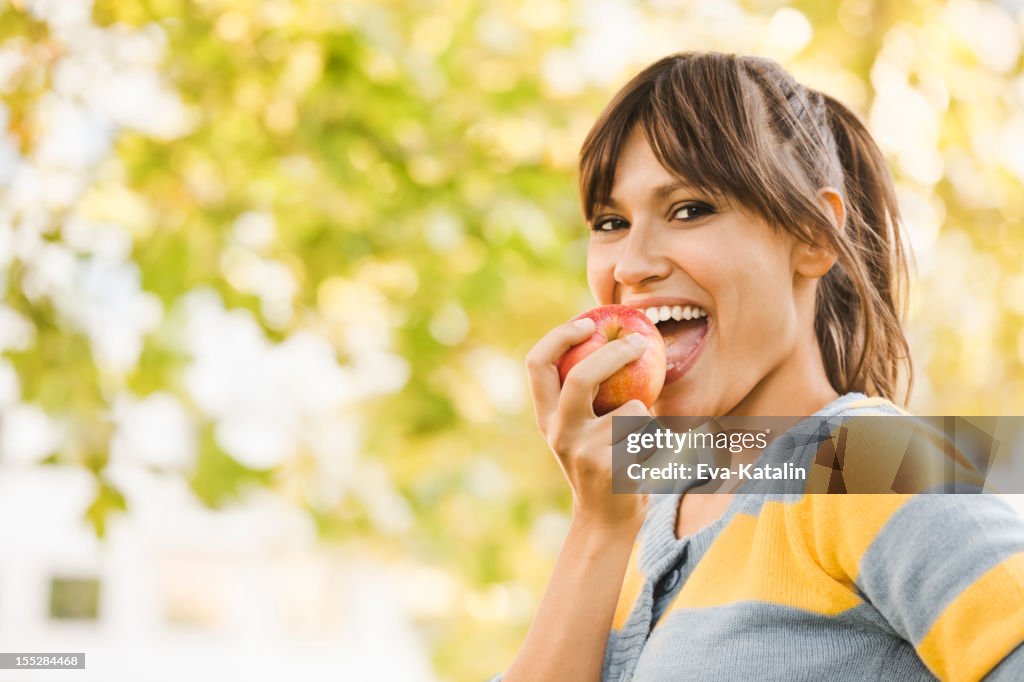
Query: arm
[568, 637]
[570, 632]
[946, 572]
[1011, 669]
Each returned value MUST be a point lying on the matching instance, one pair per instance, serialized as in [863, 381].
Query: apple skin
[641, 379]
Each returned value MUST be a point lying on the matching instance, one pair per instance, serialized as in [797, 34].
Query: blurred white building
[179, 592]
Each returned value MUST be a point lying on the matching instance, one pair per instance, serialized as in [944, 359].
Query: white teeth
[658, 314]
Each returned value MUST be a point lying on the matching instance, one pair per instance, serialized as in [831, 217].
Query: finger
[636, 419]
[622, 427]
[628, 424]
[541, 370]
[576, 401]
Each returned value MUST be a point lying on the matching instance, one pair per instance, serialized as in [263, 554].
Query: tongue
[681, 339]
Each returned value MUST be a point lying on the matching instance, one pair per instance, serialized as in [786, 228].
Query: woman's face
[659, 245]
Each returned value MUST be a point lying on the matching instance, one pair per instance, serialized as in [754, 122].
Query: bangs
[699, 113]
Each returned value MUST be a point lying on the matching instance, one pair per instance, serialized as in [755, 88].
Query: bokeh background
[270, 269]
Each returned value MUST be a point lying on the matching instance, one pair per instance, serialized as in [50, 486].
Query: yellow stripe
[632, 583]
[804, 555]
[746, 563]
[838, 529]
[980, 627]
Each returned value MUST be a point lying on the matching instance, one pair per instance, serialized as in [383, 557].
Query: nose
[641, 261]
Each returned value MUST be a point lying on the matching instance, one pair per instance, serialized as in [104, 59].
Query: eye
[608, 224]
[690, 212]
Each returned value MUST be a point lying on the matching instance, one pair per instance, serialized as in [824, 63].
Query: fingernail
[637, 339]
[584, 323]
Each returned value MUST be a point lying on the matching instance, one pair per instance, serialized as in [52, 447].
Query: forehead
[639, 174]
[636, 156]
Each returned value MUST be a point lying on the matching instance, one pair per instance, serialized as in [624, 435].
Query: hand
[580, 440]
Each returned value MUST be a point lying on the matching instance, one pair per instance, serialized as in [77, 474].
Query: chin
[679, 401]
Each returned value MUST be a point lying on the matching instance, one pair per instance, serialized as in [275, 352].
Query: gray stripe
[911, 572]
[764, 641]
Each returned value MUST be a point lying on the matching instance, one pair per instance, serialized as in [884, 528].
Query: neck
[798, 387]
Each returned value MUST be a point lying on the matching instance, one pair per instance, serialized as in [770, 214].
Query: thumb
[631, 417]
[634, 408]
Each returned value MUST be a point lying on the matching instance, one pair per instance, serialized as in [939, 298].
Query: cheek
[601, 276]
[764, 310]
[754, 294]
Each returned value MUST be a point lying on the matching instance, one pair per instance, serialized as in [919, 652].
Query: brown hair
[742, 127]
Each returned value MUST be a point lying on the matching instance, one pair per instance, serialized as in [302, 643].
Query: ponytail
[862, 299]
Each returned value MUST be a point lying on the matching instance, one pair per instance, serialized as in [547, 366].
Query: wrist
[604, 528]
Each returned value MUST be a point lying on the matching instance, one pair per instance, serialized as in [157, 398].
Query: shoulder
[860, 404]
[871, 445]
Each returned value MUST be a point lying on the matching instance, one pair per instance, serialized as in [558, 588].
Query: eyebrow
[659, 192]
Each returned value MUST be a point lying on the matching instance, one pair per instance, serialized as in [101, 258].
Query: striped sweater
[816, 587]
[825, 587]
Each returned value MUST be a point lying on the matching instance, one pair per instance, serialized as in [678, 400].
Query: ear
[833, 202]
[812, 260]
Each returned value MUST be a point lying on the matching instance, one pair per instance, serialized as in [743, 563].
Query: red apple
[641, 379]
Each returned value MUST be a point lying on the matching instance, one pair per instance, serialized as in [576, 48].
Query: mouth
[684, 328]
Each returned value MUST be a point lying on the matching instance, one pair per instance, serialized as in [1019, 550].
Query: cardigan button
[669, 582]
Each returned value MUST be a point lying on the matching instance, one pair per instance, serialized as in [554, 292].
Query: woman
[719, 183]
